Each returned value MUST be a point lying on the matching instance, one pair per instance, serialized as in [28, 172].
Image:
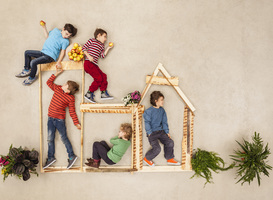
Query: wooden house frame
[187, 141]
[136, 117]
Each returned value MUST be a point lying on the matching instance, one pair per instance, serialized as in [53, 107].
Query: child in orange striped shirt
[63, 97]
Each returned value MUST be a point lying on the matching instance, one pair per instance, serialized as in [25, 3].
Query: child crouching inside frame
[111, 156]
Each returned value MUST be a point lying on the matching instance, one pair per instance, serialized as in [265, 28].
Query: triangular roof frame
[166, 76]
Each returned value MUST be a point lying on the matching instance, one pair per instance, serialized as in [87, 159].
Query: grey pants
[156, 149]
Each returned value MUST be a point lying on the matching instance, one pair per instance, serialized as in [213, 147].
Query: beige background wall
[220, 50]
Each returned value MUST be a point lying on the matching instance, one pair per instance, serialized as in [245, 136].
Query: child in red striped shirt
[94, 49]
[63, 97]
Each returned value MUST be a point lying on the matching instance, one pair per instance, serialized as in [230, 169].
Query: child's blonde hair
[127, 128]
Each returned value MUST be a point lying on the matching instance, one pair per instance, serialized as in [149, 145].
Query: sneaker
[89, 96]
[71, 162]
[93, 163]
[29, 81]
[105, 95]
[49, 162]
[24, 73]
[90, 160]
[172, 161]
[149, 163]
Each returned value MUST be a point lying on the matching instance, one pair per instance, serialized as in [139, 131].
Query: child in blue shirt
[53, 50]
[156, 126]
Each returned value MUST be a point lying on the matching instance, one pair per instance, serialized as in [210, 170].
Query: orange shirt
[60, 101]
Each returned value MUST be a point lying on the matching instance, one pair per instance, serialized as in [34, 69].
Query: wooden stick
[66, 65]
[112, 169]
[162, 169]
[109, 108]
[82, 118]
[176, 88]
[41, 119]
[148, 85]
[140, 141]
[133, 141]
[137, 140]
[184, 140]
[159, 80]
[191, 138]
[95, 105]
[62, 170]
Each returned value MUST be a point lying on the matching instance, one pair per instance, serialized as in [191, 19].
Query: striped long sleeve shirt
[95, 49]
[60, 101]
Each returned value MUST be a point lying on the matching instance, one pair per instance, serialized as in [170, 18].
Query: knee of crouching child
[170, 143]
[157, 150]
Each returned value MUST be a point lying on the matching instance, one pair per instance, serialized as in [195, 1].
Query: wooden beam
[160, 80]
[187, 139]
[184, 139]
[108, 108]
[41, 118]
[163, 169]
[110, 169]
[191, 138]
[148, 85]
[82, 119]
[66, 65]
[62, 170]
[176, 88]
[137, 140]
[140, 140]
[133, 156]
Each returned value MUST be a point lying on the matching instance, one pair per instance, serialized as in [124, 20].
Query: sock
[96, 160]
[90, 92]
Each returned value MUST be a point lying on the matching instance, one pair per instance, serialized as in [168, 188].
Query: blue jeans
[156, 149]
[39, 58]
[58, 124]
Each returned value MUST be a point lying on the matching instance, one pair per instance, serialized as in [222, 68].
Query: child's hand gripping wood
[78, 126]
[58, 71]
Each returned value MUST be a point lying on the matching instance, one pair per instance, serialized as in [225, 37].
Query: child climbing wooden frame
[136, 133]
[187, 141]
[66, 65]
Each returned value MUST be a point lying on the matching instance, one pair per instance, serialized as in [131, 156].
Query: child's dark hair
[71, 29]
[127, 128]
[99, 31]
[73, 87]
[155, 96]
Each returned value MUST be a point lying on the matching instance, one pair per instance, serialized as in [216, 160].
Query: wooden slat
[114, 108]
[41, 119]
[110, 169]
[176, 88]
[147, 87]
[66, 65]
[160, 80]
[137, 138]
[62, 170]
[133, 140]
[82, 119]
[184, 139]
[191, 138]
[162, 169]
[140, 140]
